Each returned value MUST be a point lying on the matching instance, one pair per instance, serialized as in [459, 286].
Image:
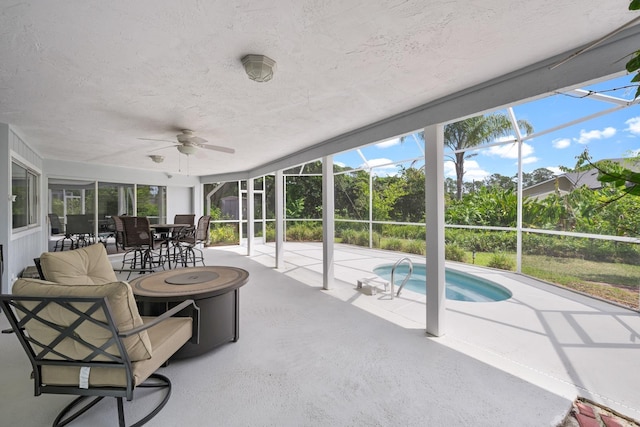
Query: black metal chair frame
[184, 219]
[186, 241]
[40, 353]
[81, 230]
[56, 224]
[139, 243]
[119, 233]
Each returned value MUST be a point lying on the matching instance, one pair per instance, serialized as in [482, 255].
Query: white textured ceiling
[85, 79]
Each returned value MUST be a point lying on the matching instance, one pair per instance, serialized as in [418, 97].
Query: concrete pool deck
[560, 340]
[308, 357]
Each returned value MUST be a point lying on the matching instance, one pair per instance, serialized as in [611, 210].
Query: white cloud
[529, 160]
[588, 136]
[509, 151]
[635, 153]
[634, 125]
[379, 162]
[505, 138]
[472, 171]
[388, 143]
[561, 143]
[556, 170]
[387, 170]
[342, 165]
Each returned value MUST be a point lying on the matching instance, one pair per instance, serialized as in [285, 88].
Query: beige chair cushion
[123, 308]
[166, 337]
[85, 266]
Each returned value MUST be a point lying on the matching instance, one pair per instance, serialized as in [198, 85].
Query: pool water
[458, 286]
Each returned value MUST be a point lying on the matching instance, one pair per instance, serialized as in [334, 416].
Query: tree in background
[536, 177]
[475, 131]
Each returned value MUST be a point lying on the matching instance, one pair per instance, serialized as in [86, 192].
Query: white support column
[284, 210]
[96, 222]
[250, 217]
[135, 200]
[328, 223]
[279, 190]
[370, 208]
[514, 123]
[434, 209]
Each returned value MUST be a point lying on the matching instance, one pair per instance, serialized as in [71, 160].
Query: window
[24, 196]
[151, 201]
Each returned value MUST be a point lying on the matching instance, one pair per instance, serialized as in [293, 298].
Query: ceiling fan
[188, 143]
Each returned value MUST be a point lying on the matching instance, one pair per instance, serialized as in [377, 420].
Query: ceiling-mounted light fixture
[259, 67]
[156, 158]
[187, 149]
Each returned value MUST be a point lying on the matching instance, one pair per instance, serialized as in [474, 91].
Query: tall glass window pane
[24, 196]
[152, 203]
[19, 195]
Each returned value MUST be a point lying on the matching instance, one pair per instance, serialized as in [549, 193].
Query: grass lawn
[610, 281]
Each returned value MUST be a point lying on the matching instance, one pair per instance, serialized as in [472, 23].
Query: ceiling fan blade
[218, 148]
[197, 140]
[154, 139]
[162, 148]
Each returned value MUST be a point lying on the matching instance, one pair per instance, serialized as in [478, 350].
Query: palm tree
[473, 132]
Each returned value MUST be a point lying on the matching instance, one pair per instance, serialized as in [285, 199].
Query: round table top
[190, 281]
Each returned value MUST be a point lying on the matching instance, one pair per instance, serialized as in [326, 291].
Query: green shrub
[392, 244]
[376, 239]
[270, 235]
[224, 234]
[502, 261]
[304, 232]
[418, 247]
[362, 238]
[348, 236]
[454, 252]
[414, 232]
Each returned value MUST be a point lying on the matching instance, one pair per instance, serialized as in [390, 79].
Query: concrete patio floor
[308, 357]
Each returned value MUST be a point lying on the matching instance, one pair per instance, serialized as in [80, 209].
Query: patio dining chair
[80, 228]
[57, 228]
[90, 341]
[139, 243]
[118, 226]
[185, 248]
[184, 219]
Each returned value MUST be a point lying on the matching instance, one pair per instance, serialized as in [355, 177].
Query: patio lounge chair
[90, 341]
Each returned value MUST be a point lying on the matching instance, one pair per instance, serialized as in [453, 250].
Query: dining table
[168, 235]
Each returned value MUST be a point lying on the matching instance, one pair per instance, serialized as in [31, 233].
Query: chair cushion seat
[166, 338]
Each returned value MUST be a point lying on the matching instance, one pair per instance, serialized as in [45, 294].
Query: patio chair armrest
[195, 315]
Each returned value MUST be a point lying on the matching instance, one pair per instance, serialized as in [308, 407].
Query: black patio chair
[140, 246]
[91, 342]
[185, 249]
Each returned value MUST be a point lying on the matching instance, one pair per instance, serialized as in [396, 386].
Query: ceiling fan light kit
[259, 68]
[157, 158]
[187, 149]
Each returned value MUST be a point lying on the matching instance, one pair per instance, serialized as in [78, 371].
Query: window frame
[32, 180]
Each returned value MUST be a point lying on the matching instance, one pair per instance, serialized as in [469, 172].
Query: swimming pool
[458, 286]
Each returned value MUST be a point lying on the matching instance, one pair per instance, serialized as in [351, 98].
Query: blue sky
[609, 136]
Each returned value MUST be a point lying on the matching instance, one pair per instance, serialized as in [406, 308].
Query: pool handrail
[406, 279]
